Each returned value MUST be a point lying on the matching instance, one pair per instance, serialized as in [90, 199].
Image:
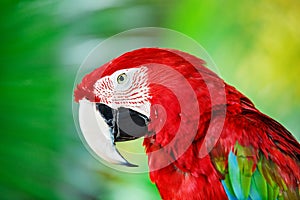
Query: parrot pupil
[121, 78]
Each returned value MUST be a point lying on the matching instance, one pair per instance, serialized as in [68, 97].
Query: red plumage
[192, 176]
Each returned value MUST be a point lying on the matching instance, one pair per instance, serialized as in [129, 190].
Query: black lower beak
[126, 124]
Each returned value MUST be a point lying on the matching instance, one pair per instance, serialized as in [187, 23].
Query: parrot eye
[122, 78]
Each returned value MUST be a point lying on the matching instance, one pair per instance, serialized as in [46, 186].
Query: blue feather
[234, 175]
[229, 195]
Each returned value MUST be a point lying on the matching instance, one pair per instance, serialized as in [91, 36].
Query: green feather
[246, 164]
[220, 163]
[259, 188]
[228, 185]
[265, 168]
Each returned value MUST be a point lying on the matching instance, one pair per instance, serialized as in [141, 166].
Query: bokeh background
[255, 44]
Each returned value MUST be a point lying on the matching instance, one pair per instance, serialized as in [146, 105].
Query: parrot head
[148, 92]
[118, 104]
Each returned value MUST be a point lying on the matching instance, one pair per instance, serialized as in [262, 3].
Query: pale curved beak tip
[128, 164]
[97, 135]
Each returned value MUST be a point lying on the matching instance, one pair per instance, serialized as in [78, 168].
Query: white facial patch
[126, 88]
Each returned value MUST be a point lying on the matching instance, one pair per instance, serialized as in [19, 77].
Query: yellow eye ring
[122, 78]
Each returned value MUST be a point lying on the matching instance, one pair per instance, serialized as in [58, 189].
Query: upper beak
[102, 126]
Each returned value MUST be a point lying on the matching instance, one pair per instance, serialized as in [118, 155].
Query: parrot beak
[102, 126]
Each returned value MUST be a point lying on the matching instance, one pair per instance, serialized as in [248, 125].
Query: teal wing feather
[239, 176]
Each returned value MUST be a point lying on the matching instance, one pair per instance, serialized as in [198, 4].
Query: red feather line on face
[86, 87]
[244, 125]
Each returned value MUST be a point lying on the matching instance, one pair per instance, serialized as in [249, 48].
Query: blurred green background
[255, 44]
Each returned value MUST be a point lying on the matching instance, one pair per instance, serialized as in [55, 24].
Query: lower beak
[102, 126]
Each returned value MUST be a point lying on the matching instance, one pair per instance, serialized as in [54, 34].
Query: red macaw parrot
[204, 139]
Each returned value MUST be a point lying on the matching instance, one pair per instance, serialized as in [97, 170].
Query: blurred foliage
[255, 45]
[43, 44]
